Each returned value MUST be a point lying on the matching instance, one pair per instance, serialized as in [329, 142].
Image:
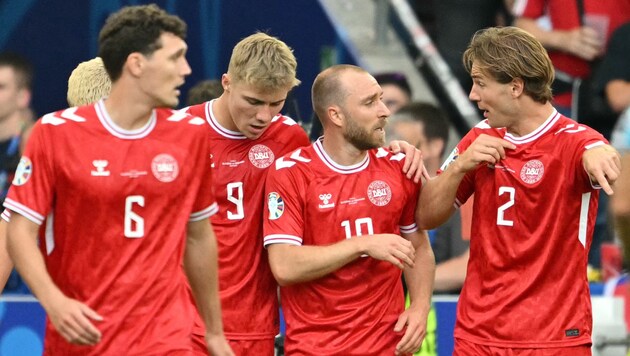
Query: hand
[416, 322]
[218, 345]
[413, 166]
[485, 149]
[389, 247]
[71, 319]
[583, 42]
[603, 165]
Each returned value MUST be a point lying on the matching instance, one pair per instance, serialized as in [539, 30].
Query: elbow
[282, 274]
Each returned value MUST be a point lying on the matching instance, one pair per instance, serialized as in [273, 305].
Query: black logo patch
[572, 332]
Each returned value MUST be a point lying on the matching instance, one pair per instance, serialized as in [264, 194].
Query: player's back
[117, 204]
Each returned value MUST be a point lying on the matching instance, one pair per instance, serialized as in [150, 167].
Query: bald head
[329, 88]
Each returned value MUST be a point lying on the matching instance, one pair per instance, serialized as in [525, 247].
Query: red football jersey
[117, 204]
[602, 15]
[533, 219]
[249, 298]
[313, 201]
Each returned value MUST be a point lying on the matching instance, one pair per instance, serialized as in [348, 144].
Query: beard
[361, 138]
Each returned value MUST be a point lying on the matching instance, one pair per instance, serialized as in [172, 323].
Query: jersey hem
[526, 344]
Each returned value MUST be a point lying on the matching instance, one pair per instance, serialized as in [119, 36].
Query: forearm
[6, 264]
[201, 267]
[29, 262]
[294, 264]
[451, 273]
[435, 204]
[551, 40]
[420, 277]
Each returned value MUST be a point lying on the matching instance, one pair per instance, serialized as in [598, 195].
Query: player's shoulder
[285, 127]
[299, 160]
[180, 119]
[67, 119]
[198, 110]
[384, 156]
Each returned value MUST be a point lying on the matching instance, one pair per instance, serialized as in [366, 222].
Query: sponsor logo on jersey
[572, 332]
[379, 193]
[532, 171]
[352, 201]
[275, 204]
[261, 156]
[133, 173]
[325, 198]
[23, 171]
[100, 165]
[165, 168]
[232, 163]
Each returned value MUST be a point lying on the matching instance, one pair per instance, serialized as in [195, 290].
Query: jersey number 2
[501, 220]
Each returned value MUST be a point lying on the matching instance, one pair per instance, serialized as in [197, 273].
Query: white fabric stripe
[23, 210]
[594, 144]
[319, 149]
[117, 131]
[205, 213]
[214, 123]
[541, 130]
[519, 7]
[6, 215]
[457, 203]
[409, 228]
[282, 239]
[583, 226]
[49, 234]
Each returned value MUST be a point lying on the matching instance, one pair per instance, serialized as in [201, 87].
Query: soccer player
[247, 134]
[333, 211]
[535, 175]
[126, 203]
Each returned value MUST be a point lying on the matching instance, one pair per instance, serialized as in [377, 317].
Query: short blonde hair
[264, 62]
[88, 83]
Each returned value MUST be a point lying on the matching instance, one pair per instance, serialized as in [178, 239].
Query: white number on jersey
[500, 217]
[235, 195]
[358, 227]
[134, 223]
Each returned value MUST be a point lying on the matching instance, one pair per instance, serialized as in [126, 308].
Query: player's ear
[335, 115]
[135, 63]
[225, 82]
[517, 86]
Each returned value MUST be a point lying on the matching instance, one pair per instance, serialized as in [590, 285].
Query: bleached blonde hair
[88, 83]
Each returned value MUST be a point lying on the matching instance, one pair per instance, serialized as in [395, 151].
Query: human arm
[419, 279]
[200, 265]
[435, 204]
[450, 274]
[292, 264]
[582, 42]
[6, 264]
[618, 94]
[603, 165]
[71, 318]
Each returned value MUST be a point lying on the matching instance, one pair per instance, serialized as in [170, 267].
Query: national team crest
[275, 205]
[23, 171]
[532, 171]
[379, 193]
[165, 168]
[261, 156]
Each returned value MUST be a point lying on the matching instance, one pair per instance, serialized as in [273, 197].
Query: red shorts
[467, 348]
[263, 347]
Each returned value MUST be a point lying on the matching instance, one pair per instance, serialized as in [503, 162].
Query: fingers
[77, 329]
[425, 173]
[412, 339]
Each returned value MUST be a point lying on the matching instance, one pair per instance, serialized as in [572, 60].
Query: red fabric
[532, 226]
[313, 201]
[119, 204]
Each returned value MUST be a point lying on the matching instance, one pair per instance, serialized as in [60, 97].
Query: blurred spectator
[88, 83]
[16, 77]
[396, 90]
[615, 78]
[426, 126]
[203, 91]
[456, 21]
